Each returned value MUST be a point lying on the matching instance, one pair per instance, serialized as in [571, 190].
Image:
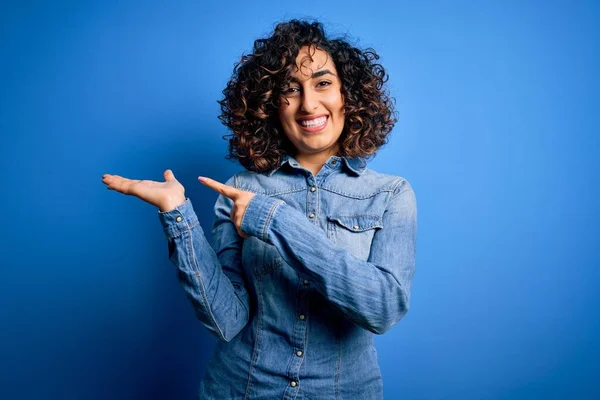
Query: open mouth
[313, 124]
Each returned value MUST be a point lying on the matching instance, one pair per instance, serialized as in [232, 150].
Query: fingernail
[201, 178]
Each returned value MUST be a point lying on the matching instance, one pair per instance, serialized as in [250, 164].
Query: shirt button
[312, 189]
[293, 383]
[299, 353]
[302, 317]
[333, 162]
[178, 219]
[311, 215]
[355, 227]
[305, 282]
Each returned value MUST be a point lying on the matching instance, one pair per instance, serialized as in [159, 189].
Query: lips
[314, 123]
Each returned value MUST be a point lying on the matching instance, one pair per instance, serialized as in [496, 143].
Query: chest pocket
[354, 232]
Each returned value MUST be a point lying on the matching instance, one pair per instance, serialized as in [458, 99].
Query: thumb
[169, 175]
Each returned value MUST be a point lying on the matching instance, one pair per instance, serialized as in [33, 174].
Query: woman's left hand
[240, 198]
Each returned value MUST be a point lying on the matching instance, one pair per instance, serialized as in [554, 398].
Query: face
[312, 106]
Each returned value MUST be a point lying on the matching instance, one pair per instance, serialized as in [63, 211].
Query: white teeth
[311, 123]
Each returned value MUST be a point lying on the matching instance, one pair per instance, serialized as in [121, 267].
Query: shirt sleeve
[373, 293]
[211, 276]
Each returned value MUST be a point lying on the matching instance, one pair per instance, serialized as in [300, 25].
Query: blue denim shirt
[328, 263]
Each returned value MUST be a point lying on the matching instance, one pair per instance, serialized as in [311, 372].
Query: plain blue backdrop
[497, 132]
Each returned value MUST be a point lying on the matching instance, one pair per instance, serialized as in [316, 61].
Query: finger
[225, 190]
[169, 176]
[108, 180]
[118, 183]
[233, 218]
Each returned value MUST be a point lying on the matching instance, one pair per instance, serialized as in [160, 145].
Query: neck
[314, 162]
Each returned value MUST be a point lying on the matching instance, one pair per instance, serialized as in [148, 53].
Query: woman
[312, 251]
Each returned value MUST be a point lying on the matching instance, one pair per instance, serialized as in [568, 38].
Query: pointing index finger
[225, 190]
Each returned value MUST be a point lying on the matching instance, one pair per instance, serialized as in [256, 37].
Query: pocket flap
[358, 223]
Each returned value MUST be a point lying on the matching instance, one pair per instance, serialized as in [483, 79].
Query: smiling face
[312, 107]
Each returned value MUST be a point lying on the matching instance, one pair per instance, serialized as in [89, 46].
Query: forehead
[311, 59]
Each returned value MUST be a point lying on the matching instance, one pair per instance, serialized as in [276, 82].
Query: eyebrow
[315, 75]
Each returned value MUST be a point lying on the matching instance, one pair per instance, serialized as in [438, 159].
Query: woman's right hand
[165, 195]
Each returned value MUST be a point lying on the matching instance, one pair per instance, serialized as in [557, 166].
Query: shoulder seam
[399, 182]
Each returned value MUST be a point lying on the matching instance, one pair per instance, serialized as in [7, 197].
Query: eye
[323, 83]
[290, 90]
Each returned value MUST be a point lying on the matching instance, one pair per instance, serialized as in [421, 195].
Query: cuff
[178, 220]
[258, 215]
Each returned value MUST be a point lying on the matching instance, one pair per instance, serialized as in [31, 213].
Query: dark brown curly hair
[252, 96]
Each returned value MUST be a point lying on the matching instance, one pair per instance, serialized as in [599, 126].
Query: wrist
[171, 204]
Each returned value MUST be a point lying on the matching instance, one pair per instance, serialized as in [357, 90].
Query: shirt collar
[356, 164]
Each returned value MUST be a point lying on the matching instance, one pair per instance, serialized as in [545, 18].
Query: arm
[373, 293]
[212, 279]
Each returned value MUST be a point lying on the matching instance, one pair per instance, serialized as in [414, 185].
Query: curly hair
[252, 96]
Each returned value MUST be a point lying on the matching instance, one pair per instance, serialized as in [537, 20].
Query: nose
[309, 101]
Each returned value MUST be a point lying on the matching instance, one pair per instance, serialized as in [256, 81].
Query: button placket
[299, 332]
[303, 292]
[311, 199]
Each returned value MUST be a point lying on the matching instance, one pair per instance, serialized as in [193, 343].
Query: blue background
[498, 134]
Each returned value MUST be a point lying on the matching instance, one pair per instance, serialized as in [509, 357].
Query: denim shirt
[328, 262]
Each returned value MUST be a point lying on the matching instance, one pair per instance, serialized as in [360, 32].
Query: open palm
[165, 195]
